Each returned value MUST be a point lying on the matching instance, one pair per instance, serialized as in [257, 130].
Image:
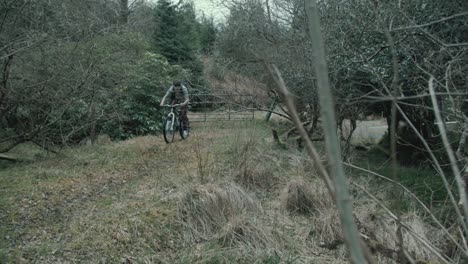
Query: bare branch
[451, 154]
[432, 22]
[359, 252]
[414, 233]
[441, 226]
[297, 122]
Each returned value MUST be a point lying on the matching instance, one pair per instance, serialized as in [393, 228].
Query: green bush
[138, 103]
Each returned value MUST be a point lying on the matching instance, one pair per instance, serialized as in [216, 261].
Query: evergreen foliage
[74, 69]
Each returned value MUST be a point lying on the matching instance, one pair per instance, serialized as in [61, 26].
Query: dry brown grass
[245, 232]
[380, 228]
[256, 177]
[304, 197]
[205, 209]
[136, 201]
[326, 227]
[383, 229]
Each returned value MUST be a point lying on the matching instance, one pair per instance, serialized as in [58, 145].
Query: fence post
[254, 106]
[272, 108]
[229, 111]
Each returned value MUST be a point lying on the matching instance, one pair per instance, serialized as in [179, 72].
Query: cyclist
[178, 94]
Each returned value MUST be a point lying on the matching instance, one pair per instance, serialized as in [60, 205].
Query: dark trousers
[183, 117]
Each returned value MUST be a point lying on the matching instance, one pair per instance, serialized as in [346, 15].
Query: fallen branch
[374, 246]
[331, 245]
[8, 158]
[294, 129]
[362, 148]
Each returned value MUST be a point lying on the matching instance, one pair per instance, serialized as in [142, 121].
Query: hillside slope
[222, 80]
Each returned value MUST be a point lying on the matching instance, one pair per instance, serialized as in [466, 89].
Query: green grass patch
[422, 181]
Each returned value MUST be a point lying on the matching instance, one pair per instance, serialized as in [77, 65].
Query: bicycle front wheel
[169, 130]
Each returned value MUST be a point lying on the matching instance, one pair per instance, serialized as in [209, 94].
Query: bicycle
[172, 124]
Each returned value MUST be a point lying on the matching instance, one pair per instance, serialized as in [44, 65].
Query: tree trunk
[358, 252]
[461, 144]
[92, 120]
[124, 12]
[4, 85]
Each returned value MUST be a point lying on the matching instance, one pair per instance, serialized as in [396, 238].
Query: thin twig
[424, 241]
[437, 166]
[451, 154]
[431, 23]
[421, 203]
[297, 122]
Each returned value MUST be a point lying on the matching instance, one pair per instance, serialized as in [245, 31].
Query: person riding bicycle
[178, 94]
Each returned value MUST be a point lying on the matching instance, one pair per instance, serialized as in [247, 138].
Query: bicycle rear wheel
[168, 130]
[184, 129]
